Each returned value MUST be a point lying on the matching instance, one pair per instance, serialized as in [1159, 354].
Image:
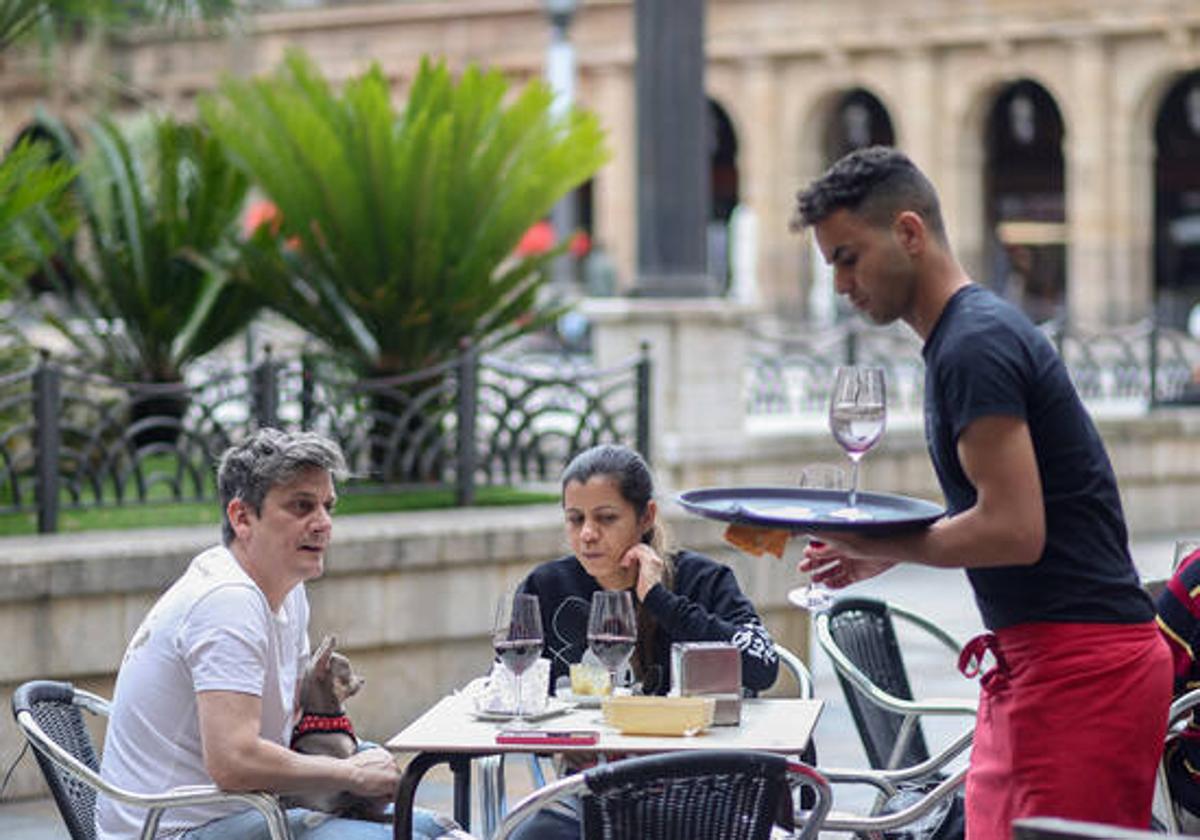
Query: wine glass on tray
[813, 596]
[857, 415]
[517, 640]
[612, 630]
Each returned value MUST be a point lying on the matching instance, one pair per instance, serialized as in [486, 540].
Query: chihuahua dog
[324, 729]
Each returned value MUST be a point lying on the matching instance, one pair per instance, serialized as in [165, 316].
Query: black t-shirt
[706, 605]
[985, 358]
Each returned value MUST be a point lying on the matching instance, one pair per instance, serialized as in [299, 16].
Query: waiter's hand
[841, 558]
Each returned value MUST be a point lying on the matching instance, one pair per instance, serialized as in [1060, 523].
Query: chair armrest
[265, 803]
[888, 781]
[802, 775]
[1183, 705]
[564, 787]
[928, 706]
[840, 821]
[952, 644]
[798, 670]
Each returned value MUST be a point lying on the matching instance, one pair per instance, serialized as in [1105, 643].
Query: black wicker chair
[860, 638]
[49, 715]
[700, 795]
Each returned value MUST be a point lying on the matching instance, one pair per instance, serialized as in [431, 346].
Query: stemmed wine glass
[612, 630]
[857, 415]
[814, 596]
[517, 640]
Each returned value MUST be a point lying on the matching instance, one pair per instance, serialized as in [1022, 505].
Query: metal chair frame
[799, 671]
[888, 783]
[54, 759]
[1165, 808]
[909, 709]
[582, 784]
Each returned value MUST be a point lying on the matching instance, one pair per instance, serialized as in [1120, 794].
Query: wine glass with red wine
[612, 630]
[517, 640]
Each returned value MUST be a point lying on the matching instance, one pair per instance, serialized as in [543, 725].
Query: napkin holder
[709, 669]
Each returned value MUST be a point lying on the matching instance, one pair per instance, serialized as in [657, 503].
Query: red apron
[1071, 724]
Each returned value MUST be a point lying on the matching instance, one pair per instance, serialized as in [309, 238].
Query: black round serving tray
[779, 507]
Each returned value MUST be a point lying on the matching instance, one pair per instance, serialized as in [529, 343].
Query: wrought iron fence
[71, 439]
[1140, 365]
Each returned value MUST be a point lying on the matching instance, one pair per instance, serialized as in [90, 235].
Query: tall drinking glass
[612, 630]
[857, 415]
[814, 596]
[517, 640]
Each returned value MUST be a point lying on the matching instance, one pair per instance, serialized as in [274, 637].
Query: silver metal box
[712, 669]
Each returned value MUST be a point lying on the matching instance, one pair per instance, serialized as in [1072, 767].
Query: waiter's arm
[1007, 524]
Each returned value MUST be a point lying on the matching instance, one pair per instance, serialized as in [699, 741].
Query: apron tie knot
[970, 659]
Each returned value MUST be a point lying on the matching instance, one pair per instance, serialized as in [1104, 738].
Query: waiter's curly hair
[877, 183]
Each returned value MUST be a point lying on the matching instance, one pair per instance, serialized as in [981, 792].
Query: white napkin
[496, 693]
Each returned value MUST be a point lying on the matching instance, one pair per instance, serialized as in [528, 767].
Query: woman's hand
[649, 566]
[840, 559]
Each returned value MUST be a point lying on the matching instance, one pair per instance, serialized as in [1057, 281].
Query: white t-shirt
[213, 630]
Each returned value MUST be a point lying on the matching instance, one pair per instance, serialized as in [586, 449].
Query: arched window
[722, 155]
[1025, 200]
[1177, 202]
[858, 120]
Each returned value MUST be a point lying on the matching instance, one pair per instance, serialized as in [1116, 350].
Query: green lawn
[159, 514]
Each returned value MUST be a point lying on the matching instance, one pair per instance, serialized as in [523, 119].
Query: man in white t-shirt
[207, 692]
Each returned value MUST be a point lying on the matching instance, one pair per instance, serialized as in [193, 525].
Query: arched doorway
[858, 120]
[1177, 202]
[1025, 204]
[722, 155]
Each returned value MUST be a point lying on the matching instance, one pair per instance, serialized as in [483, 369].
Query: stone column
[766, 190]
[613, 190]
[673, 187]
[1090, 296]
[698, 350]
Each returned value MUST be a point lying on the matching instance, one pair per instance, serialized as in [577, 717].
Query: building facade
[1064, 135]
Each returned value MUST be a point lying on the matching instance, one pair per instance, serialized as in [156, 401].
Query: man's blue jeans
[313, 825]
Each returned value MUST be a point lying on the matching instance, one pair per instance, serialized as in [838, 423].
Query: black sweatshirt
[706, 606]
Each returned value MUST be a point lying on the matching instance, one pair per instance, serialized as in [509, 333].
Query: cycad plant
[32, 185]
[396, 229]
[149, 289]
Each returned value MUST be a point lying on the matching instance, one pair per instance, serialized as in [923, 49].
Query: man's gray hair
[267, 459]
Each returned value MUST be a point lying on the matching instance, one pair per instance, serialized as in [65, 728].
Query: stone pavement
[941, 595]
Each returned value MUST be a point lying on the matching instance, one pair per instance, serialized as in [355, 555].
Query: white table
[450, 733]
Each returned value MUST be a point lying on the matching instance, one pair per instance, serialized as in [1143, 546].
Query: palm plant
[32, 183]
[403, 224]
[160, 224]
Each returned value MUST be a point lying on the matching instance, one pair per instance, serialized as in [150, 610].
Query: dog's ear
[320, 658]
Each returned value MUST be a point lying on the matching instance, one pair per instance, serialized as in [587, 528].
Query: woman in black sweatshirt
[618, 543]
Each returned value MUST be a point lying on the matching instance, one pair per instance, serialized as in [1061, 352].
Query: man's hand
[375, 774]
[840, 559]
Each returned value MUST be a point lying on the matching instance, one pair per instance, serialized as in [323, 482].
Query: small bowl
[641, 715]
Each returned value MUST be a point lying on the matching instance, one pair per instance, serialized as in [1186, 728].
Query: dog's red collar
[314, 722]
